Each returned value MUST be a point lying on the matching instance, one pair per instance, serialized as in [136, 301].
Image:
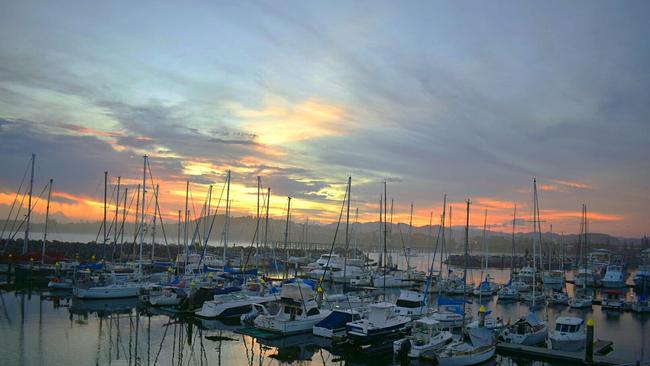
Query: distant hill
[242, 230]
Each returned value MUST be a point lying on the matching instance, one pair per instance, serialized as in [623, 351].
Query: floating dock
[541, 353]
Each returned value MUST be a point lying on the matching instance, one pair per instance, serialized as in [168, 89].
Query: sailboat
[118, 288]
[529, 330]
[382, 322]
[560, 297]
[510, 292]
[481, 344]
[487, 287]
[415, 303]
[582, 299]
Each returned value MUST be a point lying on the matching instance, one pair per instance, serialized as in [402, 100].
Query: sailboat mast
[512, 256]
[550, 249]
[137, 218]
[257, 222]
[465, 266]
[105, 211]
[117, 207]
[29, 207]
[286, 238]
[534, 239]
[153, 229]
[142, 212]
[347, 233]
[355, 229]
[484, 259]
[47, 216]
[385, 236]
[187, 212]
[266, 219]
[122, 229]
[227, 219]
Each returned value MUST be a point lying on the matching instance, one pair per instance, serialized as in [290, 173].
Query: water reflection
[40, 326]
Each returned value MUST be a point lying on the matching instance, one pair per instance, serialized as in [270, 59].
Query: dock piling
[589, 347]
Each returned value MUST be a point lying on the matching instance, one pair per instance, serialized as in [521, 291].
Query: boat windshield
[567, 328]
[407, 303]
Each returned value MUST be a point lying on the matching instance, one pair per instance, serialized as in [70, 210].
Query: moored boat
[569, 334]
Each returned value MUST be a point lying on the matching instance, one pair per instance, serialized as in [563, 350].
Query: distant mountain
[242, 230]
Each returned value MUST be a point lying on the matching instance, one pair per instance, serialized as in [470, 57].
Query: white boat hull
[465, 360]
[107, 292]
[572, 345]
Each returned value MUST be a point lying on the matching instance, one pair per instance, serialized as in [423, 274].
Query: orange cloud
[280, 122]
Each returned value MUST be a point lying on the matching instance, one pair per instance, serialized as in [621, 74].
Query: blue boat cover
[91, 266]
[532, 319]
[337, 319]
[311, 283]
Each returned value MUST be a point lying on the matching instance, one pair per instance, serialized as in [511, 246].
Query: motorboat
[480, 347]
[508, 293]
[392, 279]
[324, 261]
[232, 305]
[346, 274]
[528, 331]
[599, 259]
[526, 275]
[558, 298]
[613, 299]
[520, 286]
[493, 323]
[569, 334]
[411, 303]
[642, 277]
[426, 336]
[112, 291]
[614, 277]
[581, 301]
[381, 323]
[168, 296]
[553, 277]
[299, 311]
[584, 277]
[334, 325]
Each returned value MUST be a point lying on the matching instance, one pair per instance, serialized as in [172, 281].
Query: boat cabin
[568, 324]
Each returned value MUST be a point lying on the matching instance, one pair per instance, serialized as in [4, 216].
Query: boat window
[558, 327]
[313, 311]
[299, 311]
[287, 310]
[408, 304]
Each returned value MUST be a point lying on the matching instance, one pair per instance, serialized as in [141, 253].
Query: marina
[303, 183]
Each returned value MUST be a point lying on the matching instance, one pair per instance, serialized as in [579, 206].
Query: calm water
[39, 327]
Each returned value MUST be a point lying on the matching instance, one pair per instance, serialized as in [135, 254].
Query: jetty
[542, 353]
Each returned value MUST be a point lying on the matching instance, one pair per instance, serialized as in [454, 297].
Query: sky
[471, 99]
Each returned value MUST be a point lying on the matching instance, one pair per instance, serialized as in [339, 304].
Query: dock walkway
[541, 353]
